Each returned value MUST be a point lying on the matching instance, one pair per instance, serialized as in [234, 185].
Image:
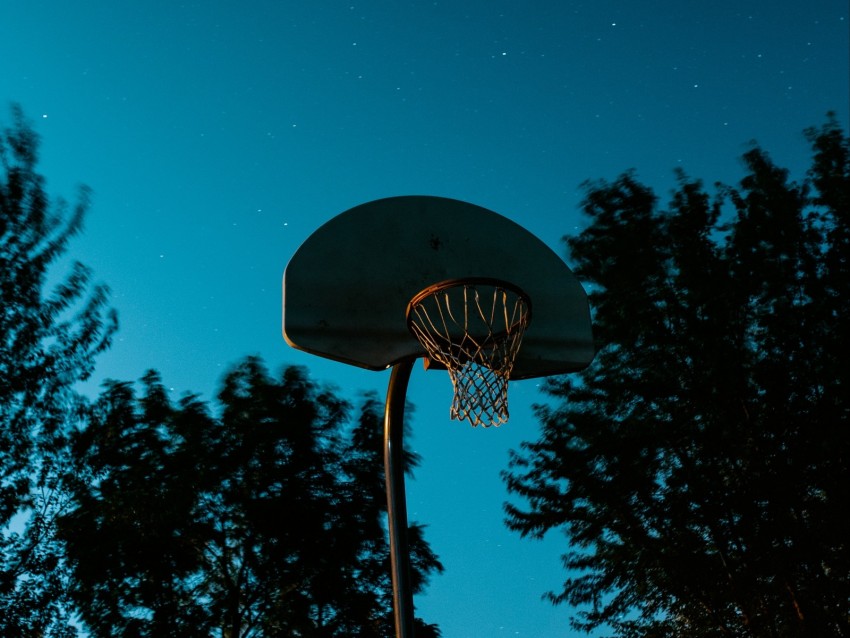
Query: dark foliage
[145, 518]
[50, 335]
[264, 521]
[701, 466]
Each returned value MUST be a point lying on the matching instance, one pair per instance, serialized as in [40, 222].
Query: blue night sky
[217, 136]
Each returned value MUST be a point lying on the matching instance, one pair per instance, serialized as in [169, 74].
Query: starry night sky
[218, 135]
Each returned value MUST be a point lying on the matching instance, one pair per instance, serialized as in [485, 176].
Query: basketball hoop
[380, 253]
[473, 327]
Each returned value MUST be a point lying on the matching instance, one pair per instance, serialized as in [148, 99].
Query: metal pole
[396, 502]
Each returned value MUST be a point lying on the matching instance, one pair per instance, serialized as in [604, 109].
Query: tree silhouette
[141, 517]
[49, 338]
[263, 521]
[700, 465]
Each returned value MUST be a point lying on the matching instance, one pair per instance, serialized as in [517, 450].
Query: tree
[129, 534]
[49, 339]
[700, 465]
[263, 521]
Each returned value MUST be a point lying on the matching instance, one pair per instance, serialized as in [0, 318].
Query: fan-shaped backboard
[346, 289]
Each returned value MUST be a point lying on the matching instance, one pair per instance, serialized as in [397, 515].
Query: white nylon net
[474, 329]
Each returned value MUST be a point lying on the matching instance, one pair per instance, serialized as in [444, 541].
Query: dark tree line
[133, 515]
[701, 466]
[264, 521]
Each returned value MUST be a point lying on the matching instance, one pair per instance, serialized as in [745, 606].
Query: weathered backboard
[346, 289]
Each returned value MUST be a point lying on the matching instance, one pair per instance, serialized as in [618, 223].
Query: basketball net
[473, 328]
